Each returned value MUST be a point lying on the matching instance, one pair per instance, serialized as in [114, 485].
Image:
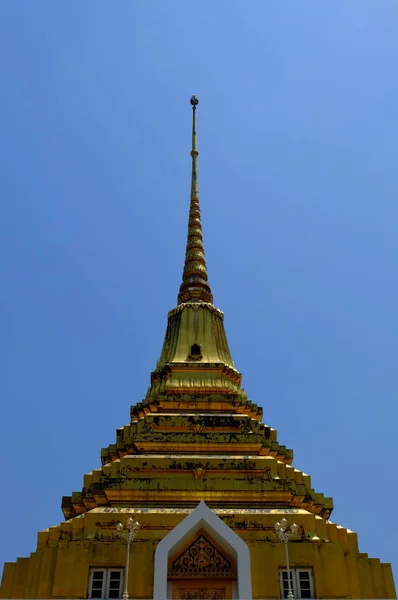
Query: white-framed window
[301, 583]
[105, 583]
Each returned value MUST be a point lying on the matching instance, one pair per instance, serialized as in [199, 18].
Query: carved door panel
[202, 590]
[201, 558]
[202, 594]
[202, 571]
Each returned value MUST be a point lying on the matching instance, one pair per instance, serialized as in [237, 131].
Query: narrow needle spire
[194, 287]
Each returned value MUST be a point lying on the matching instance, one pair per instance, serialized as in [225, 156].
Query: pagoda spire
[194, 286]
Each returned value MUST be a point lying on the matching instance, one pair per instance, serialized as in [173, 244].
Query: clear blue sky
[297, 133]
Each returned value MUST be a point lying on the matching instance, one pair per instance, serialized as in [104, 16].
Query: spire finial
[194, 287]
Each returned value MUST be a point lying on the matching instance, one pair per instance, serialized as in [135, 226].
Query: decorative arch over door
[185, 552]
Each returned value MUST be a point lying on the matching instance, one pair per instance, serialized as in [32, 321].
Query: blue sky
[297, 133]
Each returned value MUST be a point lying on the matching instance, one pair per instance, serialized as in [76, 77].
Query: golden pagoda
[196, 499]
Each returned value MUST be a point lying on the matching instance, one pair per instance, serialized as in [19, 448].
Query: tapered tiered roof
[196, 436]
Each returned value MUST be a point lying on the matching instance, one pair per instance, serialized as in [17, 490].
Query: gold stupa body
[205, 479]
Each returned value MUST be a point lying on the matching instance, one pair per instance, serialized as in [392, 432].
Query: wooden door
[202, 589]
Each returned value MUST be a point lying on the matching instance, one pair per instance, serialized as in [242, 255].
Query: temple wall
[60, 566]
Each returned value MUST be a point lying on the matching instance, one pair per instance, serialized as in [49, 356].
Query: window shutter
[284, 583]
[305, 584]
[97, 583]
[114, 587]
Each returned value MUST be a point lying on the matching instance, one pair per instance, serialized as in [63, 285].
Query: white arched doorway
[203, 524]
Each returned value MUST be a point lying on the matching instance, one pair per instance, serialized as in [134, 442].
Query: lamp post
[283, 531]
[129, 532]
